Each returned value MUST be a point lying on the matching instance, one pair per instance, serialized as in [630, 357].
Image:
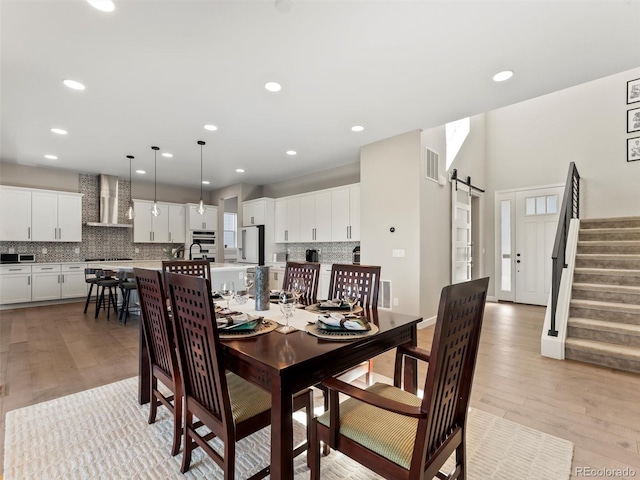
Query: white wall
[390, 197]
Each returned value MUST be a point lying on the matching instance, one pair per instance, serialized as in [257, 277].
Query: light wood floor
[48, 352]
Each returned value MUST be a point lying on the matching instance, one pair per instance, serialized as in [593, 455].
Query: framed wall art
[633, 149]
[633, 91]
[633, 120]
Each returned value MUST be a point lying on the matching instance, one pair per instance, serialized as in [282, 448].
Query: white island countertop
[157, 265]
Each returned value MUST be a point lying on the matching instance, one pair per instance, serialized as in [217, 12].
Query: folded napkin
[232, 319]
[332, 304]
[338, 321]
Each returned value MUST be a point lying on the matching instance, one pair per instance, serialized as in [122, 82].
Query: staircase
[604, 319]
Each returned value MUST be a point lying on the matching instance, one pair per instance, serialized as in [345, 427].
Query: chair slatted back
[452, 362]
[199, 353]
[367, 276]
[307, 271]
[156, 325]
[196, 268]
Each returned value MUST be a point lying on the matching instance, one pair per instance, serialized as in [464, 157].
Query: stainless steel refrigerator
[251, 245]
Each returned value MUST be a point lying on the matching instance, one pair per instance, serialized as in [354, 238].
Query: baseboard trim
[427, 322]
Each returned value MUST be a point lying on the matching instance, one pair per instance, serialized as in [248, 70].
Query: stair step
[609, 293]
[626, 247]
[589, 260]
[605, 234]
[604, 354]
[607, 311]
[612, 276]
[604, 331]
[619, 222]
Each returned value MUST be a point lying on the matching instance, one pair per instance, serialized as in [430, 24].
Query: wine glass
[298, 288]
[351, 294]
[227, 291]
[287, 307]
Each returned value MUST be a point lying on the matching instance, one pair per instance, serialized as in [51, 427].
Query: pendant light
[155, 211]
[130, 211]
[201, 208]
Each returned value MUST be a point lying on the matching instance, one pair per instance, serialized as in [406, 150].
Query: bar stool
[90, 278]
[106, 280]
[126, 283]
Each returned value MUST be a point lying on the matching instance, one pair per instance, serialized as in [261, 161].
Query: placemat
[265, 327]
[340, 336]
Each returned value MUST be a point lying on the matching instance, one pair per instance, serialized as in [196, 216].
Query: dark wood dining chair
[228, 405]
[367, 277]
[196, 268]
[158, 333]
[307, 271]
[392, 431]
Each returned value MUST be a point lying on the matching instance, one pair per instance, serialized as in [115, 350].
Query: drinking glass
[351, 294]
[249, 280]
[287, 307]
[298, 288]
[227, 291]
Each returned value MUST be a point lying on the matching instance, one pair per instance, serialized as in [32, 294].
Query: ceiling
[157, 71]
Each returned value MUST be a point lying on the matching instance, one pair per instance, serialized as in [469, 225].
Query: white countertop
[157, 265]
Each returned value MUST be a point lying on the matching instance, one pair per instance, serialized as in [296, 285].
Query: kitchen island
[220, 272]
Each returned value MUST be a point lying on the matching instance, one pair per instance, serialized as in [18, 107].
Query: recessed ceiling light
[59, 131]
[167, 154]
[206, 182]
[102, 5]
[73, 84]
[141, 172]
[50, 157]
[502, 76]
[291, 152]
[240, 170]
[273, 86]
[212, 128]
[357, 128]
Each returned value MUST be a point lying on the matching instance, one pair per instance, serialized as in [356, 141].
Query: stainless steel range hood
[109, 204]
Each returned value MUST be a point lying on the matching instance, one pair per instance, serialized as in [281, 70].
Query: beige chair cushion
[247, 400]
[387, 434]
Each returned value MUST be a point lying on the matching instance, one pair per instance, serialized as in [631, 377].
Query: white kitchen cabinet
[15, 284]
[15, 214]
[345, 214]
[40, 215]
[148, 228]
[56, 216]
[287, 220]
[46, 281]
[315, 217]
[207, 221]
[73, 284]
[177, 223]
[254, 212]
[276, 275]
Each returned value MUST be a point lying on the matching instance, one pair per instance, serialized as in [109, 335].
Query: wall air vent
[384, 294]
[431, 160]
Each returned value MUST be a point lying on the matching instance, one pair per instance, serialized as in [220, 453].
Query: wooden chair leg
[326, 450]
[177, 420]
[187, 444]
[229, 459]
[313, 453]
[153, 404]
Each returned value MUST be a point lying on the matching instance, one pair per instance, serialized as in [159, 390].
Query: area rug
[103, 433]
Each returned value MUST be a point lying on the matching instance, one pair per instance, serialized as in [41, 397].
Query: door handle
[29, 233]
[29, 280]
[517, 261]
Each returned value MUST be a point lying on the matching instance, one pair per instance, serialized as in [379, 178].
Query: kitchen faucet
[191, 246]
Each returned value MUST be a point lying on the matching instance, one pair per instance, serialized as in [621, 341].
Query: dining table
[284, 364]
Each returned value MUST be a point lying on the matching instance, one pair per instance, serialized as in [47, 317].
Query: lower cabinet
[15, 284]
[46, 285]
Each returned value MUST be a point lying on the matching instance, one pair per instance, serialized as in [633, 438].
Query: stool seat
[106, 280]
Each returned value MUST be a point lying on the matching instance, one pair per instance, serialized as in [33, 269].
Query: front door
[536, 222]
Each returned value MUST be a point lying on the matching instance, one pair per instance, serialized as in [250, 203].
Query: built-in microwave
[17, 258]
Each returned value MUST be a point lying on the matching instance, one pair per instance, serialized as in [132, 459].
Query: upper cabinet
[287, 220]
[345, 214]
[207, 221]
[168, 227]
[254, 212]
[315, 217]
[40, 215]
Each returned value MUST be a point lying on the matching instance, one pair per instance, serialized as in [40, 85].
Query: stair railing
[570, 209]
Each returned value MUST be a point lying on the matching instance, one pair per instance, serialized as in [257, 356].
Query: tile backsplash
[97, 242]
[337, 252]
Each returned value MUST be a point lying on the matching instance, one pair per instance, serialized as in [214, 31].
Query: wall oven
[202, 245]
